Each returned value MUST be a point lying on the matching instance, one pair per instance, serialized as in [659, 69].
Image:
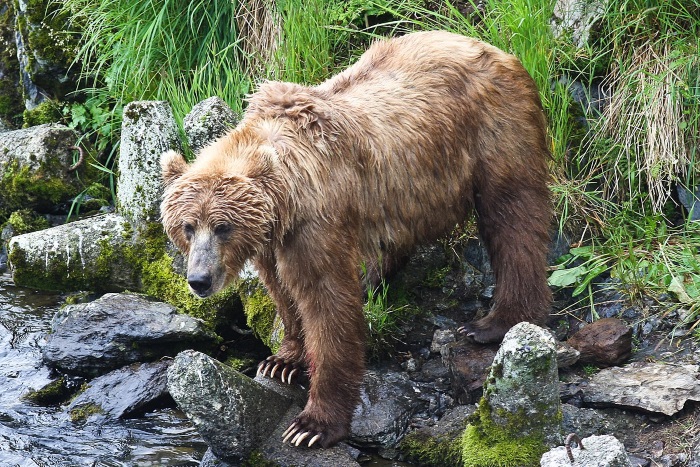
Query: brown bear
[393, 152]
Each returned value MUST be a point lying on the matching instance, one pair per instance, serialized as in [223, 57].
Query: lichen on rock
[519, 416]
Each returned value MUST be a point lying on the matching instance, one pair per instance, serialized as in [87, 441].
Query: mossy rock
[25, 221]
[261, 312]
[486, 444]
[49, 111]
[429, 451]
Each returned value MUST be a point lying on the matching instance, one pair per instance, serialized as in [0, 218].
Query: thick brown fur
[389, 154]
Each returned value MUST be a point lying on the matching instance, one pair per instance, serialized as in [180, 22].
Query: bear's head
[217, 212]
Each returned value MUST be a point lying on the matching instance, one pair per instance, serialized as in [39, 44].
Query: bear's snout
[200, 283]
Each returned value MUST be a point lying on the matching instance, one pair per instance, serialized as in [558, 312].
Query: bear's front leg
[326, 289]
[288, 363]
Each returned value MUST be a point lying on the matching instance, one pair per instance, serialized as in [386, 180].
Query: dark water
[45, 436]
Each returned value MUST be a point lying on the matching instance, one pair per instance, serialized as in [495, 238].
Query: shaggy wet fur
[389, 154]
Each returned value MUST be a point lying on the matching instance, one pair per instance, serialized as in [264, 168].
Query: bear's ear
[172, 165]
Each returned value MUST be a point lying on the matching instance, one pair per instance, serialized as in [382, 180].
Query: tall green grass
[184, 52]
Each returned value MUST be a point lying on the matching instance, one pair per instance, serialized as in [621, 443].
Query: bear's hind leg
[514, 224]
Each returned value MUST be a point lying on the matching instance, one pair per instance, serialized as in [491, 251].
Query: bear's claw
[296, 434]
[484, 331]
[273, 363]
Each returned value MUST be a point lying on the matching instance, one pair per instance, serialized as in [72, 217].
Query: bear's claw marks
[296, 434]
[273, 363]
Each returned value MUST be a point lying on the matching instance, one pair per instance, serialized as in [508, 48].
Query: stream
[32, 435]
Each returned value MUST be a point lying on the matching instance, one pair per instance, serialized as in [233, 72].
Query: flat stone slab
[598, 451]
[653, 387]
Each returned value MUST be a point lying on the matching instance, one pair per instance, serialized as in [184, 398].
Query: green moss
[98, 191]
[11, 100]
[26, 221]
[48, 111]
[258, 460]
[51, 48]
[83, 412]
[22, 187]
[53, 393]
[431, 451]
[238, 363]
[260, 311]
[436, 278]
[487, 444]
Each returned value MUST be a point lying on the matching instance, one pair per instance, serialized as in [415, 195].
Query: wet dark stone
[125, 392]
[468, 364]
[387, 403]
[93, 338]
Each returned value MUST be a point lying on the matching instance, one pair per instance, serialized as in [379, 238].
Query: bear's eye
[189, 230]
[223, 230]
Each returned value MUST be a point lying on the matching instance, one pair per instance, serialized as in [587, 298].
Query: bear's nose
[200, 283]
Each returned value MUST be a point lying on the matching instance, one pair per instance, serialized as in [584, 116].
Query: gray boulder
[577, 17]
[34, 163]
[118, 329]
[594, 451]
[387, 403]
[207, 121]
[521, 401]
[148, 130]
[123, 392]
[233, 413]
[237, 415]
[81, 255]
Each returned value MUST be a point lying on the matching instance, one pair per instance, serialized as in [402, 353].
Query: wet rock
[148, 130]
[583, 421]
[75, 256]
[597, 451]
[475, 254]
[694, 460]
[441, 337]
[284, 455]
[652, 387]
[207, 121]
[521, 401]
[116, 330]
[468, 364]
[606, 342]
[34, 163]
[233, 413]
[689, 200]
[387, 403]
[123, 392]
